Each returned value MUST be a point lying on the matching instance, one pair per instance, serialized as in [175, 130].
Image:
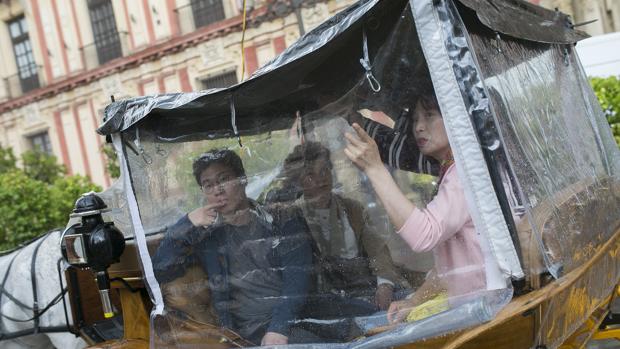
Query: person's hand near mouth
[205, 215]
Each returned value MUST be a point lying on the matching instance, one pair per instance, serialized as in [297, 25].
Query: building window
[207, 12]
[107, 41]
[218, 81]
[26, 66]
[41, 142]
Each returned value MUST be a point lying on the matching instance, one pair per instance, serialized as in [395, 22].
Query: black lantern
[93, 243]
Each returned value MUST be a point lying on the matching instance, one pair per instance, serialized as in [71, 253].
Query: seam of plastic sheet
[122, 114]
[476, 100]
[468, 315]
[477, 184]
[140, 237]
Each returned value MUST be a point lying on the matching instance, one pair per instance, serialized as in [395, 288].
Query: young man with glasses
[258, 266]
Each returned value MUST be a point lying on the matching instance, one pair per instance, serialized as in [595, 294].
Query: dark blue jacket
[185, 244]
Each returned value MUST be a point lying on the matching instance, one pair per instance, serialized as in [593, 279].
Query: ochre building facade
[61, 60]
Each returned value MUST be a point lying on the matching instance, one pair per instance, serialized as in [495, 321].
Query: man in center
[352, 259]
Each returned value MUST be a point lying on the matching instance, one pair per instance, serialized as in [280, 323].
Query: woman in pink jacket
[443, 226]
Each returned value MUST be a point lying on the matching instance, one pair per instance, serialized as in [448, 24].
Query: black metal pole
[300, 20]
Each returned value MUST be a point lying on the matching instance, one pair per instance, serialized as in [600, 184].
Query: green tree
[40, 166]
[7, 160]
[607, 91]
[111, 160]
[36, 198]
[67, 190]
[27, 209]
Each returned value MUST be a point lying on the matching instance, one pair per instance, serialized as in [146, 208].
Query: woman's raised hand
[362, 150]
[364, 153]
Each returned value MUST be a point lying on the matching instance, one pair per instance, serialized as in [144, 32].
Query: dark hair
[428, 101]
[218, 156]
[300, 156]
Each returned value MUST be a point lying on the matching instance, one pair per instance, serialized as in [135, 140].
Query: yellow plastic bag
[434, 306]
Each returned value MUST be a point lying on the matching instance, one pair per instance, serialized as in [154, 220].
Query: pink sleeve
[443, 217]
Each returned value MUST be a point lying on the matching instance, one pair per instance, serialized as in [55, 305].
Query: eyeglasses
[221, 181]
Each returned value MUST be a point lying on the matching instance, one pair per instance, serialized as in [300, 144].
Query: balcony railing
[189, 19]
[16, 85]
[95, 55]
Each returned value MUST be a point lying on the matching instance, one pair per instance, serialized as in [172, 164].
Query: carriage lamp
[93, 243]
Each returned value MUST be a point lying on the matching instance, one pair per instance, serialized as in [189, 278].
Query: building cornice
[151, 53]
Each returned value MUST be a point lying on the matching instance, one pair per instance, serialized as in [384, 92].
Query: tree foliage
[36, 198]
[7, 160]
[40, 166]
[608, 93]
[111, 166]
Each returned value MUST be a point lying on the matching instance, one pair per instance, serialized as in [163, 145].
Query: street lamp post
[296, 4]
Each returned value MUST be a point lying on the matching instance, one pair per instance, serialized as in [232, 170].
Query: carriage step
[105, 330]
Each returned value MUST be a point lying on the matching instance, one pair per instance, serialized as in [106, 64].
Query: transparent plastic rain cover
[562, 152]
[276, 236]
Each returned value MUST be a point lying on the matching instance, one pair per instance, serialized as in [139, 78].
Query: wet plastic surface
[251, 218]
